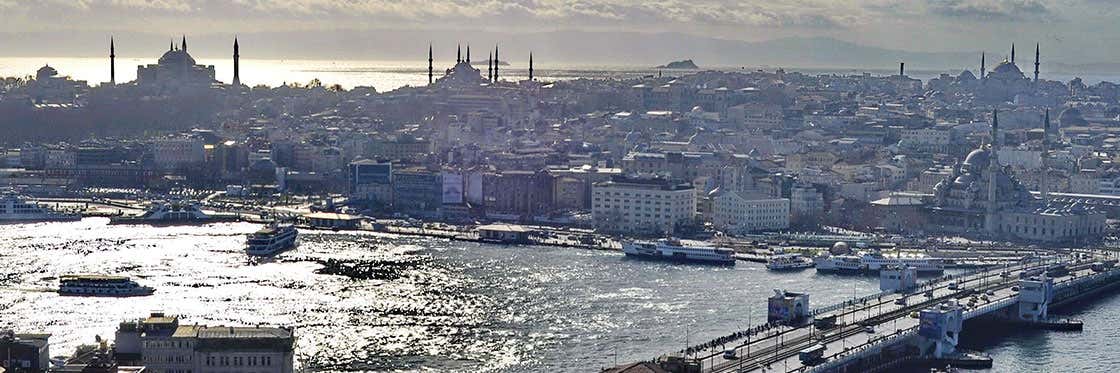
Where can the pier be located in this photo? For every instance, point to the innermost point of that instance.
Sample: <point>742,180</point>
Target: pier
<point>921,323</point>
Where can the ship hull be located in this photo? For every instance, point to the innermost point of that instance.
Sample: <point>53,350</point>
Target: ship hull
<point>680,259</point>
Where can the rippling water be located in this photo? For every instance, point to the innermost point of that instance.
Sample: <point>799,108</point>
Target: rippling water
<point>430,304</point>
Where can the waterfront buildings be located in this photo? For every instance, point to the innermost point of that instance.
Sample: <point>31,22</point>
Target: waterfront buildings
<point>163,345</point>
<point>732,213</point>
<point>642,206</point>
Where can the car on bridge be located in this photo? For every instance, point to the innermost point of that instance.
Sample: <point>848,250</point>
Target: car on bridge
<point>730,354</point>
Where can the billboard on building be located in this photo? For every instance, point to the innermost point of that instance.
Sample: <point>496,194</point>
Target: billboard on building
<point>930,325</point>
<point>780,309</point>
<point>452,188</point>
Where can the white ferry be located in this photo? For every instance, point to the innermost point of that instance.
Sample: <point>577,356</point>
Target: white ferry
<point>788,262</point>
<point>101,285</point>
<point>875,261</point>
<point>175,211</point>
<point>271,240</point>
<point>17,208</point>
<point>674,250</point>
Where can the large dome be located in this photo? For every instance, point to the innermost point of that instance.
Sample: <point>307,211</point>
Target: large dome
<point>977,158</point>
<point>45,72</point>
<point>1007,68</point>
<point>176,57</point>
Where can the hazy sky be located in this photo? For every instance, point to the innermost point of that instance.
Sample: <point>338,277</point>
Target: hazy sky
<point>918,25</point>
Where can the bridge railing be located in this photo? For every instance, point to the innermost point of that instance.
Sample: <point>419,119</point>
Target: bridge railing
<point>924,285</point>
<point>843,357</point>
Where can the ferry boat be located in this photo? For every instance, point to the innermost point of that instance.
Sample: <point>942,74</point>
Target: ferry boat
<point>788,262</point>
<point>271,240</point>
<point>18,208</point>
<point>674,250</point>
<point>874,261</point>
<point>101,285</point>
<point>175,211</point>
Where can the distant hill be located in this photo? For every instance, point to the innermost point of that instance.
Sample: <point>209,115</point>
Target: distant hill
<point>683,64</point>
<point>576,48</point>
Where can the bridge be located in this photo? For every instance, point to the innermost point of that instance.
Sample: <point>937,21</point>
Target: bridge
<point>919,322</point>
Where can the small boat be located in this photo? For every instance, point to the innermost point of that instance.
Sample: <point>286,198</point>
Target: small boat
<point>675,251</point>
<point>788,262</point>
<point>101,286</point>
<point>271,240</point>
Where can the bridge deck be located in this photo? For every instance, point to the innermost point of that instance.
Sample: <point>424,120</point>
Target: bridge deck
<point>777,349</point>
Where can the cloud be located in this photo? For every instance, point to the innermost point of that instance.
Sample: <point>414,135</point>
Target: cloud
<point>986,10</point>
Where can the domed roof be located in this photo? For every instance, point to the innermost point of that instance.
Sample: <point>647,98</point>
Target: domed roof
<point>977,158</point>
<point>1007,68</point>
<point>45,72</point>
<point>966,75</point>
<point>176,57</point>
<point>1071,117</point>
<point>840,248</point>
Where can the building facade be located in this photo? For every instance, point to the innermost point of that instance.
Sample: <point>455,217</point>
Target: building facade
<point>643,206</point>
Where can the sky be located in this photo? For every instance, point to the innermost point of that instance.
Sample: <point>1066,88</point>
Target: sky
<point>1073,31</point>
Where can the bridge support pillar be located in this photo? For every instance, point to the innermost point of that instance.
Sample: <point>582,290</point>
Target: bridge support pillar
<point>939,330</point>
<point>1035,295</point>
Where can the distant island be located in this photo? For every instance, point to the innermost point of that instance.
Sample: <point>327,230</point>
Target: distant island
<point>685,64</point>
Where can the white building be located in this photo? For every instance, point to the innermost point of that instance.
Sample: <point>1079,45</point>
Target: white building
<point>650,206</point>
<point>734,214</point>
<point>172,153</point>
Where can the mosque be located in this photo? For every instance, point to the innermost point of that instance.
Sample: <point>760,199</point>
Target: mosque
<point>981,196</point>
<point>464,74</point>
<point>176,68</point>
<point>1004,83</point>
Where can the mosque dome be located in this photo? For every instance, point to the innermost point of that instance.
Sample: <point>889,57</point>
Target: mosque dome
<point>1007,67</point>
<point>977,159</point>
<point>1071,117</point>
<point>45,72</point>
<point>176,57</point>
<point>966,75</point>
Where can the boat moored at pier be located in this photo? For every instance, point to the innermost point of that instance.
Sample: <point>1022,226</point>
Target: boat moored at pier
<point>172,212</point>
<point>873,262</point>
<point>788,262</point>
<point>676,251</point>
<point>17,208</point>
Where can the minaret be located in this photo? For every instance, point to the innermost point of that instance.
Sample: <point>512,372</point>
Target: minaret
<point>236,63</point>
<point>901,69</point>
<point>458,54</point>
<point>530,66</point>
<point>993,169</point>
<point>982,65</point>
<point>490,68</point>
<point>430,69</point>
<point>496,59</point>
<point>1036,62</point>
<point>1043,187</point>
<point>184,45</point>
<point>468,54</point>
<point>1012,53</point>
<point>112,62</point>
